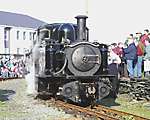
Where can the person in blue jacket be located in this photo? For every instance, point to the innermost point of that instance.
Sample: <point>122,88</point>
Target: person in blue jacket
<point>130,56</point>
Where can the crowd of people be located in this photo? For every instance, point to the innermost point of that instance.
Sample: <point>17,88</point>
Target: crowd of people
<point>11,67</point>
<point>131,58</point>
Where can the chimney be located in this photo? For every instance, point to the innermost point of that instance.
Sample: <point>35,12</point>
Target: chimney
<point>81,27</point>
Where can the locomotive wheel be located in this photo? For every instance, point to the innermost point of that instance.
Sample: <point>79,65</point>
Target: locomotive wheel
<point>41,85</point>
<point>42,89</point>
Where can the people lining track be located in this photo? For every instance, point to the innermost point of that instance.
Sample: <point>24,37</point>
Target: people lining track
<point>134,54</point>
<point>11,67</point>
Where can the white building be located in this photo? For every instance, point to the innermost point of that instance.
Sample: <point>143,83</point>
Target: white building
<point>17,32</point>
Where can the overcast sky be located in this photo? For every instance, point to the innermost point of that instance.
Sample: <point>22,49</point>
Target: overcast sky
<point>109,20</point>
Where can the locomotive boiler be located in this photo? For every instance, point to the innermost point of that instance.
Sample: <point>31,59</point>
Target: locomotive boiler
<point>70,67</point>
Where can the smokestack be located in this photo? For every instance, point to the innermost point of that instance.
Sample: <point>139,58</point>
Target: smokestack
<point>81,27</point>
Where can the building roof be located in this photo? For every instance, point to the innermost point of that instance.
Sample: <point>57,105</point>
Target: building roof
<point>19,20</point>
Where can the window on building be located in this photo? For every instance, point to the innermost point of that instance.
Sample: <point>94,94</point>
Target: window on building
<point>6,39</point>
<point>18,35</point>
<point>31,34</point>
<point>34,35</point>
<point>5,34</point>
<point>18,50</point>
<point>24,50</point>
<point>24,35</point>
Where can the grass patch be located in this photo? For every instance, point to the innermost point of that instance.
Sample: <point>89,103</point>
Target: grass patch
<point>2,104</point>
<point>5,112</point>
<point>9,114</point>
<point>133,107</point>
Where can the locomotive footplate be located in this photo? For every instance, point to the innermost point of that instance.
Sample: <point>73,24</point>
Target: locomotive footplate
<point>50,76</point>
<point>94,77</point>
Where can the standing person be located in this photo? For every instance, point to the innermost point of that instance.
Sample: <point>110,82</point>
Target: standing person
<point>126,41</point>
<point>113,62</point>
<point>145,36</point>
<point>130,56</point>
<point>119,50</point>
<point>137,38</point>
<point>140,54</point>
<point>114,47</point>
<point>147,57</point>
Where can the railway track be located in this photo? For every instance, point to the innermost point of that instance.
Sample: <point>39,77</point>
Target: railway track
<point>99,112</point>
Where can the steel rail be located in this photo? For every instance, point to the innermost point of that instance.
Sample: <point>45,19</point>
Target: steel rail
<point>86,111</point>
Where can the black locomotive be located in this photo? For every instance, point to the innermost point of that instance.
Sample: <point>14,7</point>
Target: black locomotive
<point>68,66</point>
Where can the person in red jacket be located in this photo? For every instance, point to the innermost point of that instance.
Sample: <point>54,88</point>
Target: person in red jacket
<point>145,36</point>
<point>140,54</point>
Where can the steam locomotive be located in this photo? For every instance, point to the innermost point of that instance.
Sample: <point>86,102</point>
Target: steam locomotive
<point>70,67</point>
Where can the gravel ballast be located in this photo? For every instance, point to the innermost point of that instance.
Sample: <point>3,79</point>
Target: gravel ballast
<point>16,104</point>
